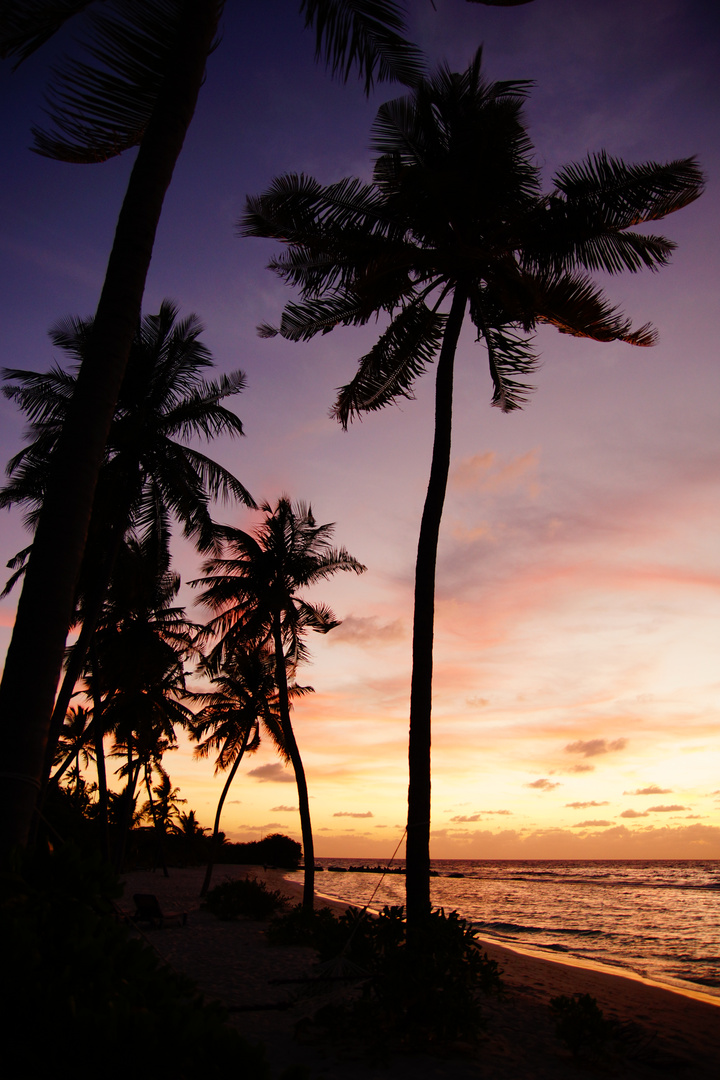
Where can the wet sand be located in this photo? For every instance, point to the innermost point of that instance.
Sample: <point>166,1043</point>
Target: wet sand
<point>664,1033</point>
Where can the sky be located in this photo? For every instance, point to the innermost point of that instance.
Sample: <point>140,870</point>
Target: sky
<point>577,689</point>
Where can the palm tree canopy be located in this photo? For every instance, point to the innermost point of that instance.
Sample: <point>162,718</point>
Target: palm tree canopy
<point>245,698</point>
<point>456,201</point>
<point>150,471</point>
<point>101,100</point>
<point>258,578</point>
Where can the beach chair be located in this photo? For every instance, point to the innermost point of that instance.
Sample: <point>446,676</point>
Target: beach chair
<point>147,909</point>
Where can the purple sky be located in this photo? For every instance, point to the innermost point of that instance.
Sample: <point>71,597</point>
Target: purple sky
<point>579,573</point>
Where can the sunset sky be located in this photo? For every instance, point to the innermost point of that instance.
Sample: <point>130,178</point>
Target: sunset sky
<point>577,685</point>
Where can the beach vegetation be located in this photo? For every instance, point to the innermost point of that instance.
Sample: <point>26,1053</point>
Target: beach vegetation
<point>253,589</point>
<point>244,896</point>
<point>580,1023</point>
<point>96,988</point>
<point>132,81</point>
<point>429,995</point>
<point>455,223</point>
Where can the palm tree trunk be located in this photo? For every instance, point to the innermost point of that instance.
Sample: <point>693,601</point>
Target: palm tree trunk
<point>417,883</point>
<point>157,832</point>
<point>35,655</point>
<point>216,829</point>
<point>292,749</point>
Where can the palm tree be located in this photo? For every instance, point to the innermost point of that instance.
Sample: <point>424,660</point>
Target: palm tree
<point>139,650</point>
<point>245,699</point>
<point>254,590</point>
<point>455,220</point>
<point>136,86</point>
<point>150,473</point>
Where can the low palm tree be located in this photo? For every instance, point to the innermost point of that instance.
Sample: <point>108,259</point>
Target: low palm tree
<point>455,222</point>
<point>253,589</point>
<point>244,701</point>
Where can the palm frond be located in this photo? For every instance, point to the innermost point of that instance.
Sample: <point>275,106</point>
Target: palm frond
<point>26,27</point>
<point>631,194</point>
<point>389,370</point>
<point>576,306</point>
<point>365,34</point>
<point>100,107</point>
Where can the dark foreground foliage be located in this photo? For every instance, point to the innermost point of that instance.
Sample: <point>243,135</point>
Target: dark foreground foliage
<point>79,981</point>
<point>425,993</point>
<point>246,896</point>
<point>580,1023</point>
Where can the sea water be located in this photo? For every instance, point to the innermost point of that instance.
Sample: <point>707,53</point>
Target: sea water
<point>660,919</point>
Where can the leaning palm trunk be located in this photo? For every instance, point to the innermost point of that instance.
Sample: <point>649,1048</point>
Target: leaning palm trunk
<point>35,655</point>
<point>418,827</point>
<point>216,830</point>
<point>292,748</point>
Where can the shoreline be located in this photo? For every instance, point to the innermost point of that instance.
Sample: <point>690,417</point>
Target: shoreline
<point>676,986</point>
<point>663,1027</point>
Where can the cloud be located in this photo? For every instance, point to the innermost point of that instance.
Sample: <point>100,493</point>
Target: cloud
<point>486,472</point>
<point>588,824</point>
<point>278,809</point>
<point>364,630</point>
<point>651,789</point>
<point>584,805</point>
<point>581,768</point>
<point>496,812</point>
<point>634,813</point>
<point>543,785</point>
<point>349,813</point>
<point>466,817</point>
<point>275,772</point>
<point>593,747</point>
<point>665,809</point>
<point>478,702</point>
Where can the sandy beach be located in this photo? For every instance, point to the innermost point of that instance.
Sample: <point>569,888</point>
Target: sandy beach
<point>664,1032</point>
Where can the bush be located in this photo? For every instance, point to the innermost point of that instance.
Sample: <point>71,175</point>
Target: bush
<point>81,985</point>
<point>423,994</point>
<point>580,1023</point>
<point>246,896</point>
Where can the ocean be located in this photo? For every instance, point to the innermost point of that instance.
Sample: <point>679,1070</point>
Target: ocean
<point>660,919</point>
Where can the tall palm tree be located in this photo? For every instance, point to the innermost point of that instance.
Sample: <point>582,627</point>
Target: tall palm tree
<point>253,589</point>
<point>150,474</point>
<point>456,222</point>
<point>136,85</point>
<point>245,699</point>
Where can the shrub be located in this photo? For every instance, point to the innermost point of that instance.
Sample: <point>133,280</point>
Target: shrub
<point>246,896</point>
<point>580,1023</point>
<point>423,994</point>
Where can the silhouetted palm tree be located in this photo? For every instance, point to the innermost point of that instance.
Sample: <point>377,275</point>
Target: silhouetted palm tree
<point>150,474</point>
<point>136,85</point>
<point>244,701</point>
<point>455,220</point>
<point>254,590</point>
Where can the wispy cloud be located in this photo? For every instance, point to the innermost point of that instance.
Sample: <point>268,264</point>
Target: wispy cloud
<point>651,789</point>
<point>365,630</point>
<point>634,813</point>
<point>278,809</point>
<point>489,472</point>
<point>349,813</point>
<point>543,784</point>
<point>666,809</point>
<point>584,805</point>
<point>276,773</point>
<point>594,824</point>
<point>593,747</point>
